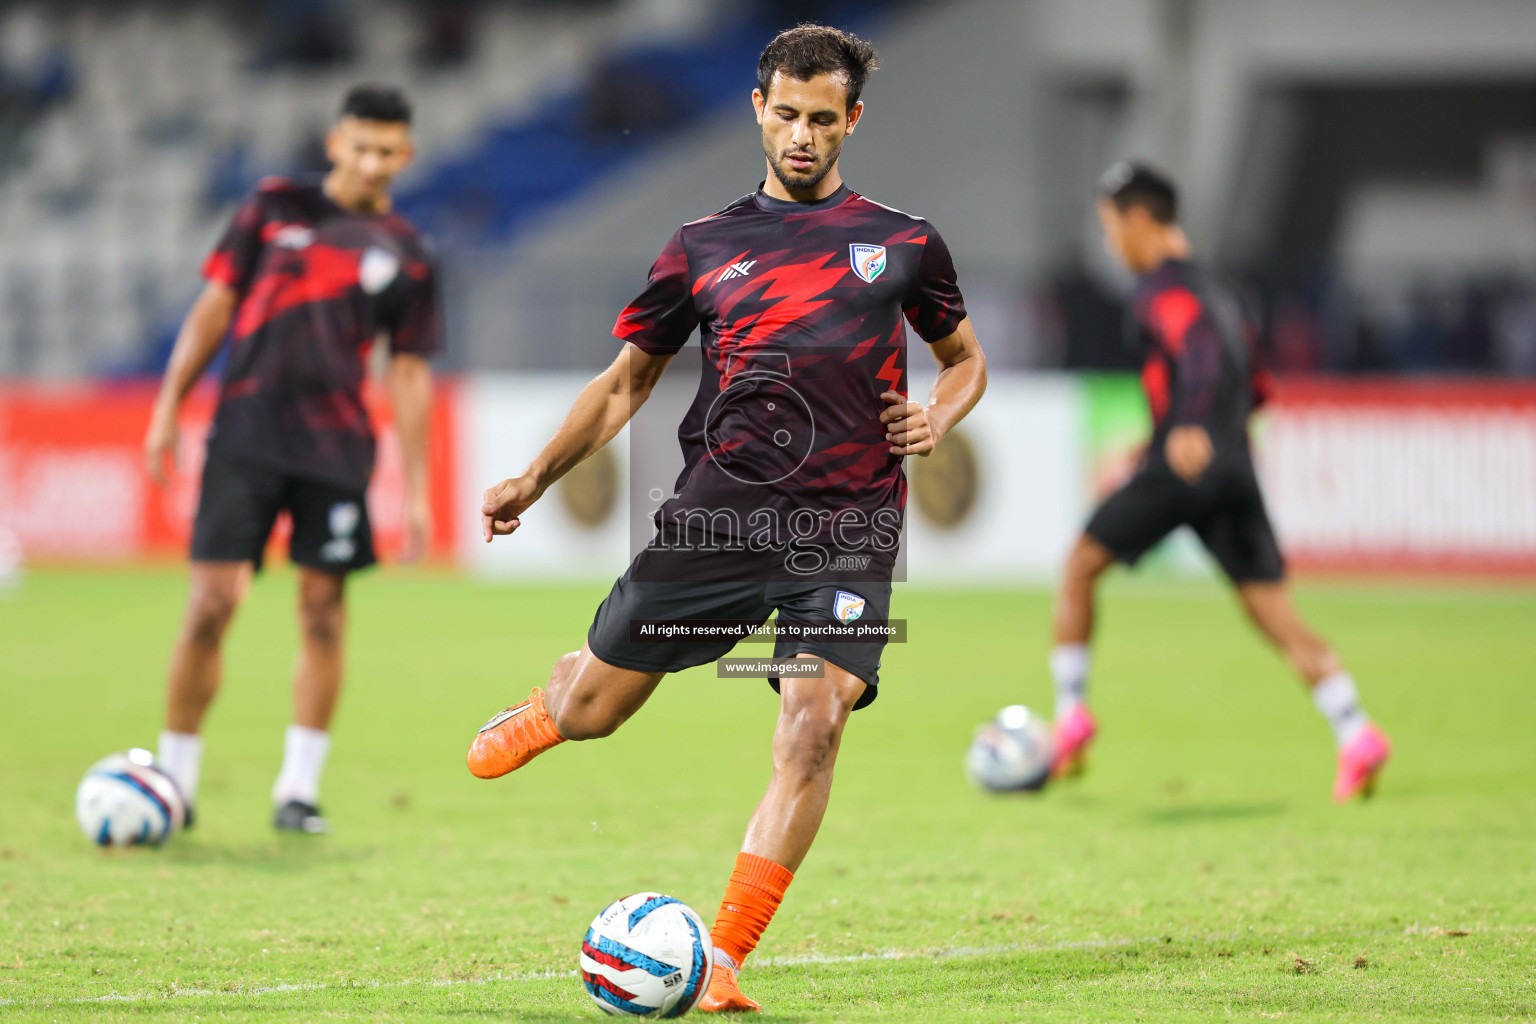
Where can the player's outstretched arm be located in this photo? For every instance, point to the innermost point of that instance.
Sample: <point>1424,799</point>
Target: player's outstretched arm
<point>914,429</point>
<point>201,334</point>
<point>599,413</point>
<point>410,393</point>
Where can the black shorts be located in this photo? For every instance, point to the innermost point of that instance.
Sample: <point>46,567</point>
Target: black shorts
<point>1225,508</point>
<point>812,601</point>
<point>240,501</point>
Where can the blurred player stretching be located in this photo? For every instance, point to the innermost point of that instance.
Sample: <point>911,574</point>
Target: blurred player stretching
<point>304,280</point>
<point>799,292</point>
<point>1201,382</point>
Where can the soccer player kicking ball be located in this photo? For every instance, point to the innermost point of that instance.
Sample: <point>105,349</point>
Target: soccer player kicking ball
<point>307,275</point>
<point>1201,381</point>
<point>793,459</point>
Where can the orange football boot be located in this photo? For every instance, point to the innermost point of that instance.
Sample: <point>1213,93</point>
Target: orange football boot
<point>513,738</point>
<point>724,995</point>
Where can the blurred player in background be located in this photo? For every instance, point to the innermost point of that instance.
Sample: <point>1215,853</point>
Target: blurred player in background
<point>813,274</point>
<point>1202,382</point>
<point>306,277</point>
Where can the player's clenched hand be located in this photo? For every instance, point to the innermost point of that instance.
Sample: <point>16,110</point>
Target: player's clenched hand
<point>160,446</point>
<point>906,426</point>
<point>1189,451</point>
<point>503,504</point>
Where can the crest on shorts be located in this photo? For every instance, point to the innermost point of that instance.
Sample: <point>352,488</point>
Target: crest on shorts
<point>345,515</point>
<point>868,260</point>
<point>344,519</point>
<point>377,269</point>
<point>847,607</point>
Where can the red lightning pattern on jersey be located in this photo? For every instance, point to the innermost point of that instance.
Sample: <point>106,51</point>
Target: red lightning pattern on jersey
<point>794,289</point>
<point>798,321</point>
<point>891,373</point>
<point>306,316</point>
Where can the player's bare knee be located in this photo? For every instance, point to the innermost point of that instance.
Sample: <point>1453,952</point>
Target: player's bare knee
<point>1087,561</point>
<point>1080,575</point>
<point>322,616</point>
<point>322,626</point>
<point>209,612</point>
<point>806,741</point>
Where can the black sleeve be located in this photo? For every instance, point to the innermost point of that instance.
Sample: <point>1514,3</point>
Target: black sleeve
<point>417,324</point>
<point>1181,327</point>
<point>662,317</point>
<point>933,305</point>
<point>233,260</point>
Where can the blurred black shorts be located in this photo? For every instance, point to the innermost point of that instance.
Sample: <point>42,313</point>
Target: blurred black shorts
<point>640,596</point>
<point>1225,508</point>
<point>240,501</point>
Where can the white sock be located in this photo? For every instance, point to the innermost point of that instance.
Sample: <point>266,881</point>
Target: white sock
<point>304,751</point>
<point>1069,668</point>
<point>1339,701</point>
<point>181,755</point>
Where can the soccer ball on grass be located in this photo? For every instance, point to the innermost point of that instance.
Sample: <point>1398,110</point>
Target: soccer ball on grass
<point>1012,752</point>
<point>128,800</point>
<point>647,955</point>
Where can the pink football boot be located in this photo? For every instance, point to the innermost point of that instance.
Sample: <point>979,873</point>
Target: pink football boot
<point>1359,761</point>
<point>1073,732</point>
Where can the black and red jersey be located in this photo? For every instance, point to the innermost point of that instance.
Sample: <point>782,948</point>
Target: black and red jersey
<point>317,284</point>
<point>800,310</point>
<point>1202,364</point>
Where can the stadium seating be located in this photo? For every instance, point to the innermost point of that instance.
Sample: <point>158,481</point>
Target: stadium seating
<point>107,208</point>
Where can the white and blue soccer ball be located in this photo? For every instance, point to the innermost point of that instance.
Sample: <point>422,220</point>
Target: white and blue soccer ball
<point>1012,752</point>
<point>647,955</point>
<point>128,800</point>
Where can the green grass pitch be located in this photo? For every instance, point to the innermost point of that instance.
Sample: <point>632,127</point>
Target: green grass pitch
<point>1199,871</point>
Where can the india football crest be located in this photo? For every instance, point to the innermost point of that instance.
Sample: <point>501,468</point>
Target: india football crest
<point>345,517</point>
<point>377,269</point>
<point>847,607</point>
<point>868,260</point>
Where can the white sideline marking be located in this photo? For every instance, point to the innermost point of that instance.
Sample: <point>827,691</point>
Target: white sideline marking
<point>802,960</point>
<point>945,953</point>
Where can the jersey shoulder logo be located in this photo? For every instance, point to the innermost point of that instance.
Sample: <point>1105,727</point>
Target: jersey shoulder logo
<point>847,607</point>
<point>868,260</point>
<point>293,236</point>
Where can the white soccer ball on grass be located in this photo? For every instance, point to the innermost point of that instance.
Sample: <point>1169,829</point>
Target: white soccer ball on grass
<point>128,800</point>
<point>1012,752</point>
<point>647,955</point>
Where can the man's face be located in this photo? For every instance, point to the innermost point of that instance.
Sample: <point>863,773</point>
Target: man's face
<point>1127,234</point>
<point>367,155</point>
<point>804,124</point>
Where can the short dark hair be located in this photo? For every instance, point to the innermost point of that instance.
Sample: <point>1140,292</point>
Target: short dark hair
<point>1129,184</point>
<point>808,50</point>
<point>370,102</point>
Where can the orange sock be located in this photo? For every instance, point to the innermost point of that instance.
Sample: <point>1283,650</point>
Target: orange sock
<point>751,896</point>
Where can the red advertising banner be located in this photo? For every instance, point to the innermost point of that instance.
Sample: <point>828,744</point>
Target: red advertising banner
<point>73,486</point>
<point>1429,476</point>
